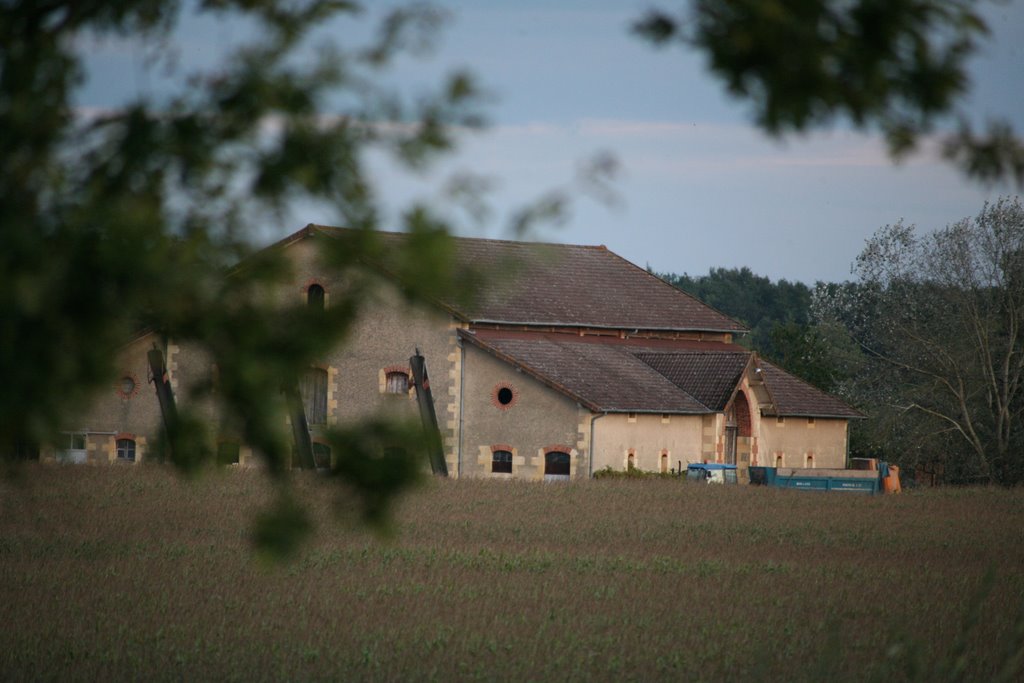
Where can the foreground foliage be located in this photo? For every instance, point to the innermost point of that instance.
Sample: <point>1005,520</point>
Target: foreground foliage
<point>895,66</point>
<point>126,220</point>
<point>128,573</point>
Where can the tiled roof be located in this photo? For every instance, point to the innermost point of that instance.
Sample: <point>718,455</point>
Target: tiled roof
<point>570,285</point>
<point>795,397</point>
<point>708,376</point>
<point>616,375</point>
<point>603,377</point>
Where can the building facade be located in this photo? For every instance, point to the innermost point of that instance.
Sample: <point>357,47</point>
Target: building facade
<point>573,361</point>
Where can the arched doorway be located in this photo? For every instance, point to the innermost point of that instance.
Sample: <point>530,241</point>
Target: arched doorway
<point>737,430</point>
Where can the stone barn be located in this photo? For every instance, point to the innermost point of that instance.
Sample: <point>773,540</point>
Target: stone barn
<point>570,360</point>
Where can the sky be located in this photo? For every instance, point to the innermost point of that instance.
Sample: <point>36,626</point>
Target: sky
<point>697,185</point>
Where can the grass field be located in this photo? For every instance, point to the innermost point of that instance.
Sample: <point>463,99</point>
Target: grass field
<point>128,573</point>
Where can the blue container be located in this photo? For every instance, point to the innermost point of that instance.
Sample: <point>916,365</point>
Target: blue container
<point>849,481</point>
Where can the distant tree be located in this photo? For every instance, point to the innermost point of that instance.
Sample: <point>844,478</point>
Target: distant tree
<point>940,320</point>
<point>809,352</point>
<point>777,314</point>
<point>898,66</point>
<point>129,218</point>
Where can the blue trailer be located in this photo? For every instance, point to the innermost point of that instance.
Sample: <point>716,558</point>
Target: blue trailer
<point>867,481</point>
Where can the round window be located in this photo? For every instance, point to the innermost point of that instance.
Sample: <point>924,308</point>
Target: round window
<point>504,396</point>
<point>128,386</point>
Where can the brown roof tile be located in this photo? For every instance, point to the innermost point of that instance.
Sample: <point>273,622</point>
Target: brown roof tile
<point>795,397</point>
<point>603,377</point>
<point>571,285</point>
<point>708,376</point>
<point>616,375</point>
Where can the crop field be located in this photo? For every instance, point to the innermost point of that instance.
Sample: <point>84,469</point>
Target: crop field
<point>129,573</point>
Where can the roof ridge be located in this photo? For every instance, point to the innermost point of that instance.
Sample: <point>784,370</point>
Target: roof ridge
<point>595,247</point>
<point>596,287</point>
<point>743,327</point>
<point>691,352</point>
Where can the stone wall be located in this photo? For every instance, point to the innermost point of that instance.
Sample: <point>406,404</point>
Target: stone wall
<point>647,438</point>
<point>535,420</point>
<point>803,442</point>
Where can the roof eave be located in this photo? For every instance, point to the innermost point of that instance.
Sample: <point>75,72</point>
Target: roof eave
<point>642,411</point>
<point>488,321</point>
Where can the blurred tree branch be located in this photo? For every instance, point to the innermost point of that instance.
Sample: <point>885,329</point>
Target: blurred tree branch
<point>897,66</point>
<point>129,220</point>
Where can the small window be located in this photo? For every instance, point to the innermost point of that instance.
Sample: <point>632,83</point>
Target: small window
<point>321,456</point>
<point>228,452</point>
<point>666,418</point>
<point>664,462</point>
<point>810,422</point>
<point>315,297</point>
<point>810,460</point>
<point>74,451</point>
<point>780,420</point>
<point>397,383</point>
<point>631,461</point>
<point>556,463</point>
<point>779,460</point>
<point>501,461</point>
<point>126,449</point>
<point>630,417</point>
<point>504,396</point>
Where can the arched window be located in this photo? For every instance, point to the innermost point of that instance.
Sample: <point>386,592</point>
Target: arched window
<point>556,463</point>
<point>631,460</point>
<point>397,382</point>
<point>664,462</point>
<point>501,462</point>
<point>810,460</point>
<point>314,395</point>
<point>126,450</point>
<point>315,297</point>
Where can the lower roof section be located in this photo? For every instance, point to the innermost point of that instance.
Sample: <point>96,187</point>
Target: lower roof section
<point>608,374</point>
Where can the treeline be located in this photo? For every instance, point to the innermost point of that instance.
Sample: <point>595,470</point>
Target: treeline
<point>778,315</point>
<point>927,341</point>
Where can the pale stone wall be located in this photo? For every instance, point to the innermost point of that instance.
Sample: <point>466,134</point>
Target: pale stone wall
<point>540,419</point>
<point>537,419</point>
<point>647,437</point>
<point>797,437</point>
<point>114,413</point>
<point>384,336</point>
